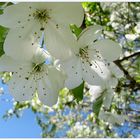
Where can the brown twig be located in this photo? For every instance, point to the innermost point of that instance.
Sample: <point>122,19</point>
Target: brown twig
<point>128,76</point>
<point>130,56</point>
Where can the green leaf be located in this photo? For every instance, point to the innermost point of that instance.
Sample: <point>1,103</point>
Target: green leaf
<point>1,49</point>
<point>2,3</point>
<point>3,33</point>
<point>22,105</point>
<point>75,29</point>
<point>97,105</point>
<point>1,11</point>
<point>78,92</point>
<point>10,3</point>
<point>1,7</point>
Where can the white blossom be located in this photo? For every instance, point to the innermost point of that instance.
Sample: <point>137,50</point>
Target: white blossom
<point>106,92</point>
<point>107,89</point>
<point>89,57</point>
<point>33,76</point>
<point>111,117</point>
<point>131,37</point>
<point>137,28</point>
<point>39,19</point>
<point>95,92</point>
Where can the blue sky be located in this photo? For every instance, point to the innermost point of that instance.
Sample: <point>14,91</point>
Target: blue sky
<point>27,127</point>
<point>24,127</point>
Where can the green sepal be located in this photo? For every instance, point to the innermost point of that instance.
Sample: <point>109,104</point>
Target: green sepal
<point>78,92</point>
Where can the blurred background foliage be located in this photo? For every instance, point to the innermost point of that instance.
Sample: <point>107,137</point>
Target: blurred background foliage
<point>76,114</point>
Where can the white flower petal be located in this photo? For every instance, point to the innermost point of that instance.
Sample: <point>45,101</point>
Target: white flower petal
<point>22,88</point>
<point>112,82</point>
<point>73,71</point>
<point>111,118</point>
<point>115,74</point>
<point>95,89</point>
<point>103,115</point>
<point>95,70</point>
<point>46,94</point>
<point>67,13</point>
<point>57,77</point>
<point>108,98</point>
<point>49,86</point>
<point>95,92</point>
<point>20,45</point>
<point>110,50</point>
<point>40,56</point>
<point>90,76</point>
<point>15,15</point>
<point>57,11</point>
<point>39,5</point>
<point>98,64</point>
<point>119,118</point>
<point>8,64</point>
<point>137,28</point>
<point>59,41</point>
<point>131,37</point>
<point>115,70</point>
<point>89,35</point>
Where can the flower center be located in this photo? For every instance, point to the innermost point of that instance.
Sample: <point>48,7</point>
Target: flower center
<point>85,58</point>
<point>83,52</point>
<point>37,67</point>
<point>37,72</point>
<point>42,16</point>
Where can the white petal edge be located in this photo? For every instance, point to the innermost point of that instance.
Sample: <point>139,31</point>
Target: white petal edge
<point>15,15</point>
<point>21,49</point>
<point>63,40</point>
<point>50,85</point>
<point>108,98</point>
<point>111,118</point>
<point>109,49</point>
<point>46,94</point>
<point>89,35</point>
<point>67,13</point>
<point>90,76</point>
<point>95,92</point>
<point>8,64</point>
<point>21,88</point>
<point>116,70</point>
<point>73,69</point>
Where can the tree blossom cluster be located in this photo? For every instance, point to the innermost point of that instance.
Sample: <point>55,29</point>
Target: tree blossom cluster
<point>45,56</point>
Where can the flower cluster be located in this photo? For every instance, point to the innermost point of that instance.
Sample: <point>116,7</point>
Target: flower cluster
<point>44,55</point>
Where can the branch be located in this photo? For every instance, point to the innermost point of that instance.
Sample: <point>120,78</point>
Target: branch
<point>127,57</point>
<point>101,10</point>
<point>128,76</point>
<point>83,26</point>
<point>118,63</point>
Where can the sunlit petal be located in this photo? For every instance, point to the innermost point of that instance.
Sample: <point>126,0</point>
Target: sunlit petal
<point>110,50</point>
<point>73,71</point>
